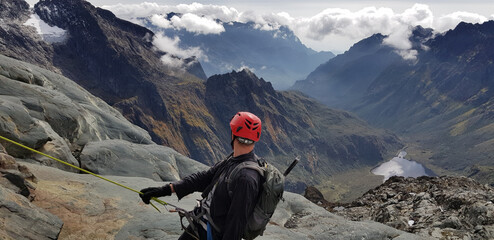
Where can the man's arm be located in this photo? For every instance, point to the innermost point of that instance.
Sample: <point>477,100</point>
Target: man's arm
<point>245,194</point>
<point>196,182</point>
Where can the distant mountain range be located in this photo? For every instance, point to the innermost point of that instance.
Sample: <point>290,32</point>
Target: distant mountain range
<point>116,61</point>
<point>443,101</point>
<point>275,55</point>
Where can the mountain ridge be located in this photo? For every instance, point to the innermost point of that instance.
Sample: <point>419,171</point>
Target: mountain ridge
<point>281,57</point>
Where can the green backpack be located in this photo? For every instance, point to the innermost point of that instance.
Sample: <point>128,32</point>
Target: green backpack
<point>271,194</point>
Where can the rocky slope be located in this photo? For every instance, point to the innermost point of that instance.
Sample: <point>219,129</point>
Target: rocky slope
<point>443,100</point>
<point>19,218</point>
<point>79,206</point>
<point>52,114</point>
<point>438,207</point>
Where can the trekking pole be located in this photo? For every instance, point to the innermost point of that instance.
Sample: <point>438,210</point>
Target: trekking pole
<point>289,169</point>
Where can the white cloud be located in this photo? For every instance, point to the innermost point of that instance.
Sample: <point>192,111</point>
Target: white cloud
<point>363,23</point>
<point>336,27</point>
<point>160,21</point>
<point>196,24</point>
<point>224,13</point>
<point>450,21</point>
<point>172,61</point>
<point>132,11</point>
<point>173,50</point>
<point>241,68</point>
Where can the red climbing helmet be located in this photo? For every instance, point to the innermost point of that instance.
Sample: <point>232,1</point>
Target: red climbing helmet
<point>246,125</point>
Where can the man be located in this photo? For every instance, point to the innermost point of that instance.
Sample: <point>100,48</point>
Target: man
<point>230,201</point>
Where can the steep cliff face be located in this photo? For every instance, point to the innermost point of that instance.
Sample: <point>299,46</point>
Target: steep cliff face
<point>328,140</point>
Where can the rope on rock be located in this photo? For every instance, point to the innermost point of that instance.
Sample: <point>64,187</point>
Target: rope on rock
<point>88,172</point>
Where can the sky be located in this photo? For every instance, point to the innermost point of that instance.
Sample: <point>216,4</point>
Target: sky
<point>320,24</point>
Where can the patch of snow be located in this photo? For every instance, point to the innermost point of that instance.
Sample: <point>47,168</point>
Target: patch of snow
<point>402,154</point>
<point>51,34</point>
<point>339,208</point>
<point>398,166</point>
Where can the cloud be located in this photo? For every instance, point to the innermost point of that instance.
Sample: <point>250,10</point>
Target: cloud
<point>223,13</point>
<point>133,11</point>
<point>175,54</point>
<point>364,23</point>
<point>196,24</point>
<point>196,17</point>
<point>450,21</point>
<point>160,21</point>
<point>243,66</point>
<point>331,27</point>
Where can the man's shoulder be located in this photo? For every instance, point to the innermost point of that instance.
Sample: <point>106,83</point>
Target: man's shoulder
<point>248,170</point>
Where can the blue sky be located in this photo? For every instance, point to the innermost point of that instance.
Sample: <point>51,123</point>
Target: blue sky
<point>321,25</point>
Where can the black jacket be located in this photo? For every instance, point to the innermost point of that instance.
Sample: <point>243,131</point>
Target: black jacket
<point>228,213</point>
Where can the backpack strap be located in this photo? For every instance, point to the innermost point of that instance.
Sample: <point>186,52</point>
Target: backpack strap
<point>247,164</point>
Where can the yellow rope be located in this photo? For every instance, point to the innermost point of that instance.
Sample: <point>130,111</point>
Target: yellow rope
<point>86,171</point>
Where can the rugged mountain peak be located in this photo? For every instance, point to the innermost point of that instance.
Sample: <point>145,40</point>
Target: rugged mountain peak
<point>81,17</point>
<point>419,36</point>
<point>368,44</point>
<point>240,83</point>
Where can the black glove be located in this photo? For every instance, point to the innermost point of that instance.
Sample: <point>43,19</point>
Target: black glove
<point>148,193</point>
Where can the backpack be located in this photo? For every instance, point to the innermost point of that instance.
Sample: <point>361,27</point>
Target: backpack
<point>271,194</point>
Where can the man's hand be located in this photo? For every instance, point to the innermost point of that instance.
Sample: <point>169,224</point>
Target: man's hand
<point>148,193</point>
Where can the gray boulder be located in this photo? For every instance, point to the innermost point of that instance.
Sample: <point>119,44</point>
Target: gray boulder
<point>51,113</point>
<point>20,219</point>
<point>122,158</point>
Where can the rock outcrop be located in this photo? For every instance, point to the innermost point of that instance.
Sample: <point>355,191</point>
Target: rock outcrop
<point>20,219</point>
<point>15,177</point>
<point>122,158</point>
<point>438,207</point>
<point>49,112</point>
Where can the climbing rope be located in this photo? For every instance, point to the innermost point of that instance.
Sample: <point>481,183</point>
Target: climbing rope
<point>88,172</point>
